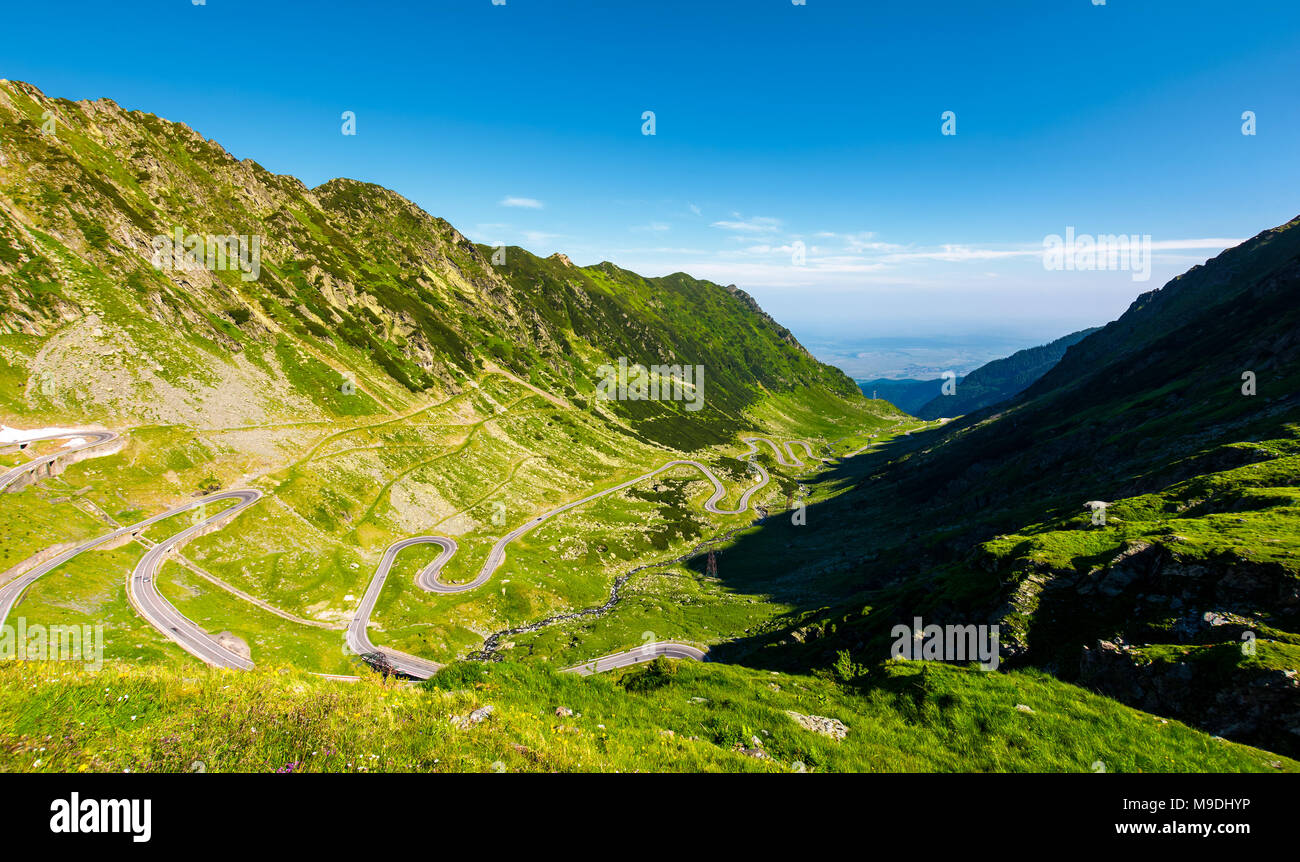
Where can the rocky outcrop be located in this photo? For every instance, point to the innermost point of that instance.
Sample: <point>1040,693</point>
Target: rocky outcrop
<point>1199,599</point>
<point>234,643</point>
<point>1258,706</point>
<point>832,727</point>
<point>478,716</point>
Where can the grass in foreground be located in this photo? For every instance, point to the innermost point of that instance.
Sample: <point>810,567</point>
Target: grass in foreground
<point>661,717</point>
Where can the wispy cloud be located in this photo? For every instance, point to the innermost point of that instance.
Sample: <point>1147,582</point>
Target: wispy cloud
<point>961,253</point>
<point>537,237</point>
<point>1177,244</point>
<point>862,241</point>
<point>957,253</point>
<point>764,256</point>
<point>526,203</point>
<point>756,224</point>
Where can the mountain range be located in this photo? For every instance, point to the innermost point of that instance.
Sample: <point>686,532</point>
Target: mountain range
<point>1120,503</point>
<point>999,380</point>
<point>354,283</point>
<point>991,383</point>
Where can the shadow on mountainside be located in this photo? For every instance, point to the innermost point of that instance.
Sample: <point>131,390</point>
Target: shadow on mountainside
<point>842,552</point>
<point>968,526</point>
<point>905,537</point>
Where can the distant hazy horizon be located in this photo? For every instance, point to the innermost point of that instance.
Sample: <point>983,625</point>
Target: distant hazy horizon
<point>918,357</point>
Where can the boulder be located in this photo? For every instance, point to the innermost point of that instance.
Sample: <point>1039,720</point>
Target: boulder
<point>832,727</point>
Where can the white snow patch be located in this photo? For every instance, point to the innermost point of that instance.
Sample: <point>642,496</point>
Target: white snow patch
<point>18,435</point>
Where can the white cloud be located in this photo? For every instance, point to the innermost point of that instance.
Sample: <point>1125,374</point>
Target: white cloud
<point>750,225</point>
<point>1174,244</point>
<point>864,242</point>
<point>954,253</point>
<point>537,237</point>
<point>526,203</point>
<point>871,282</point>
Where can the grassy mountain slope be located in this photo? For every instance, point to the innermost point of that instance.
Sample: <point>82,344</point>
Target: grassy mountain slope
<point>999,380</point>
<point>665,717</point>
<point>355,282</point>
<point>675,319</point>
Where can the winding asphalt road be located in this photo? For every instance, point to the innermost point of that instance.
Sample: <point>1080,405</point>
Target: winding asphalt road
<point>141,588</point>
<point>427,578</point>
<point>647,652</point>
<point>358,639</point>
<point>162,614</point>
<point>794,460</point>
<point>143,593</point>
<point>776,450</point>
<point>93,439</point>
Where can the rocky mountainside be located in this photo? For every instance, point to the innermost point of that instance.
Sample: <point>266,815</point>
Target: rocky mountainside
<point>347,299</point>
<point>1001,379</point>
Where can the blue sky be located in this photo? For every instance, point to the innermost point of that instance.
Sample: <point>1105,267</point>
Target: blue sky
<point>775,124</point>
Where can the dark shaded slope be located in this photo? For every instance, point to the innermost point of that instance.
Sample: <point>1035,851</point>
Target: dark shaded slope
<point>983,522</point>
<point>1001,379</point>
<point>908,395</point>
<point>1128,406</point>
